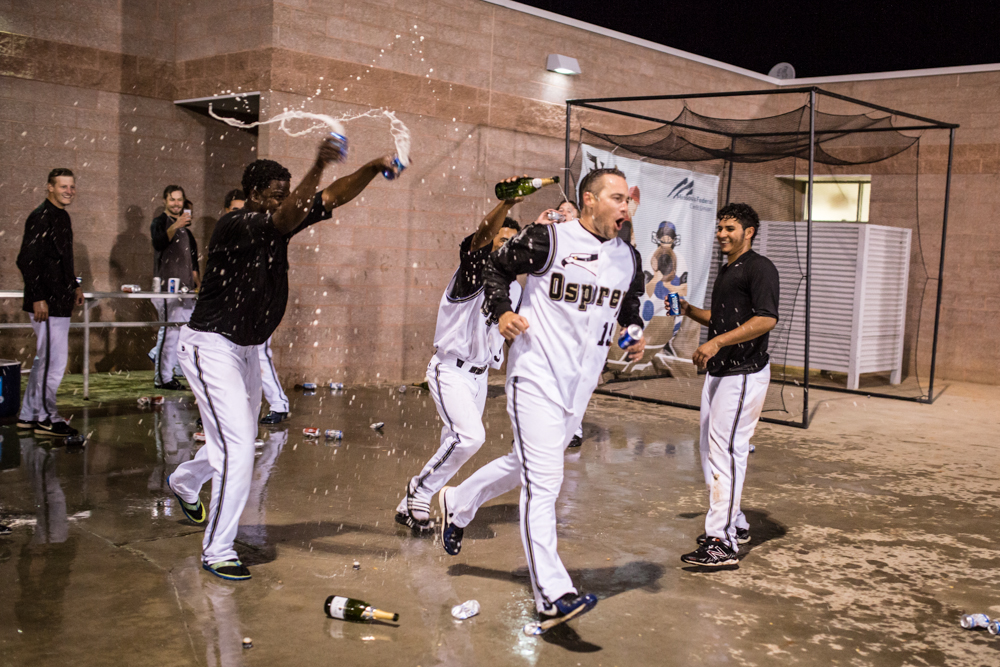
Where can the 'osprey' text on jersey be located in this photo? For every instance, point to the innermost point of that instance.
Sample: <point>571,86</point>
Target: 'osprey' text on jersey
<point>578,286</point>
<point>462,329</point>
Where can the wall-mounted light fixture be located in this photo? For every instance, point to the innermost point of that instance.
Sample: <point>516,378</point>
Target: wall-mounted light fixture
<point>562,64</point>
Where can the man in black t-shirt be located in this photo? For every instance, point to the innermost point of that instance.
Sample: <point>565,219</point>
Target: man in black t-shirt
<point>242,300</point>
<point>744,310</point>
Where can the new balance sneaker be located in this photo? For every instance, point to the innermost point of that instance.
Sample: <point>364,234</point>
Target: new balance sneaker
<point>570,605</point>
<point>451,535</point>
<point>194,512</point>
<point>274,417</point>
<point>742,536</point>
<point>233,570</point>
<point>25,424</point>
<point>57,429</point>
<point>173,385</point>
<point>405,517</point>
<point>713,553</point>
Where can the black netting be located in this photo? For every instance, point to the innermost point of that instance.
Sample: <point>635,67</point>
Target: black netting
<point>764,162</point>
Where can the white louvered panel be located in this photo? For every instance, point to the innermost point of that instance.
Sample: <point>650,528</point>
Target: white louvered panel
<point>884,298</point>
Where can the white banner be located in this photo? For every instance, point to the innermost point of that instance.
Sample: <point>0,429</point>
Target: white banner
<point>673,226</point>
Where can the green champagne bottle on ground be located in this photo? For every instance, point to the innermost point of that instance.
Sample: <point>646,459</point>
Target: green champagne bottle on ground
<point>349,609</point>
<point>522,187</point>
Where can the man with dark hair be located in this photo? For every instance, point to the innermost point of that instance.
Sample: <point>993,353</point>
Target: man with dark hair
<point>234,199</point>
<point>744,310</point>
<point>175,255</point>
<point>243,300</point>
<point>467,343</point>
<point>582,279</point>
<point>50,293</point>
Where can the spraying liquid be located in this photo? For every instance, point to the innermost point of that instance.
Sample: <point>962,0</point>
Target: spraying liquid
<point>400,133</point>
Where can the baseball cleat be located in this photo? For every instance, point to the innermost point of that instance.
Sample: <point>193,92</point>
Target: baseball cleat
<point>742,536</point>
<point>274,417</point>
<point>232,570</point>
<point>173,385</point>
<point>565,608</point>
<point>713,553</point>
<point>576,441</point>
<point>418,527</point>
<point>194,512</point>
<point>451,535</point>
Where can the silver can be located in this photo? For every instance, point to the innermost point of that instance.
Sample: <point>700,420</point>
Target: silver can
<point>333,434</point>
<point>973,621</point>
<point>993,628</point>
<point>336,386</point>
<point>465,610</point>
<point>555,216</point>
<point>309,385</point>
<point>157,284</point>
<point>173,285</point>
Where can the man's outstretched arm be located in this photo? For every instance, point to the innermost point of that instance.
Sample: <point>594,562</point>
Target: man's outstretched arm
<point>347,188</point>
<point>293,210</point>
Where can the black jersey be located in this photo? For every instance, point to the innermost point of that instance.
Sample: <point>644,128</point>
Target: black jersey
<point>746,288</point>
<point>245,290</point>
<point>46,260</point>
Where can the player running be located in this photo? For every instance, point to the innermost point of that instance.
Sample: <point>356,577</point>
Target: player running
<point>581,279</point>
<point>744,310</point>
<point>467,344</point>
<point>242,301</point>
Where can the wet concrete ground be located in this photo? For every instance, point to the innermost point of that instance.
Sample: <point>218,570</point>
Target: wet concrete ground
<point>872,531</point>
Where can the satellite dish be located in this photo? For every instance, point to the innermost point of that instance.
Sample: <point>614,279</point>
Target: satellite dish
<point>782,71</point>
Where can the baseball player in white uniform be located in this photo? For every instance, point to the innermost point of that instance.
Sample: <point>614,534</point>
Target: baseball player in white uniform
<point>581,279</point>
<point>242,300</point>
<point>467,344</point>
<point>744,310</point>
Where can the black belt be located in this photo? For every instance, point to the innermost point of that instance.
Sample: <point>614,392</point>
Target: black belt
<point>475,370</point>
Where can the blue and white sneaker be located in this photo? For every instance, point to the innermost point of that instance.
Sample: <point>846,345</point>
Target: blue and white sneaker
<point>570,606</point>
<point>451,535</point>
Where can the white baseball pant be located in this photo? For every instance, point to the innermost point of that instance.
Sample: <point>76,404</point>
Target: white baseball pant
<point>542,431</point>
<point>730,409</point>
<point>47,370</point>
<point>275,396</point>
<point>460,397</point>
<point>165,357</point>
<point>225,378</point>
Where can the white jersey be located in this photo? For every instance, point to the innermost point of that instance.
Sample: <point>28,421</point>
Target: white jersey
<point>572,300</point>
<point>462,329</point>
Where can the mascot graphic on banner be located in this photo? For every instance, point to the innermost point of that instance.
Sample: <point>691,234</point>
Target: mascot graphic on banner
<point>667,206</point>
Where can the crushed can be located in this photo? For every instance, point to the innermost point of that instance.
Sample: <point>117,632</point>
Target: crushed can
<point>377,426</point>
<point>144,401</point>
<point>310,432</point>
<point>973,621</point>
<point>333,434</point>
<point>673,304</point>
<point>631,335</point>
<point>199,437</point>
<point>336,386</point>
<point>402,389</point>
<point>465,610</point>
<point>157,400</point>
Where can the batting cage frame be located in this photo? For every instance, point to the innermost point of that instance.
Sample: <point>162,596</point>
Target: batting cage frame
<point>669,140</point>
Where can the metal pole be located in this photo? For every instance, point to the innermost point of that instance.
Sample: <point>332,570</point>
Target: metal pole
<point>729,179</point>
<point>86,348</point>
<point>940,285</point>
<point>809,245</point>
<point>566,174</point>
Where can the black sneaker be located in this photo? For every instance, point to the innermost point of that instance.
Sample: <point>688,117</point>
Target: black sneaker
<point>5,529</point>
<point>173,385</point>
<point>713,553</point>
<point>57,429</point>
<point>451,535</point>
<point>576,441</point>
<point>25,424</point>
<point>742,536</point>
<point>274,417</point>
<point>233,570</point>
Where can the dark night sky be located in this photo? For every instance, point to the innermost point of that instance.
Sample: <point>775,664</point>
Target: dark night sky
<point>818,37</point>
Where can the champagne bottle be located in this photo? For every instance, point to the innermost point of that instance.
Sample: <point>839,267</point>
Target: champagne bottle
<point>349,609</point>
<point>522,187</point>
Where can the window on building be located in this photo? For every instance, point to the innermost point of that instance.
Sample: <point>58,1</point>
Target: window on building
<point>835,198</point>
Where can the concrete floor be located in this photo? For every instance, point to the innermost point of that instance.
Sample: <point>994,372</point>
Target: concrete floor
<point>872,532</point>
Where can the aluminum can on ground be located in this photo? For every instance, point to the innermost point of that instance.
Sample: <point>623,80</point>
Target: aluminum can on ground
<point>308,385</point>
<point>973,621</point>
<point>310,432</point>
<point>465,610</point>
<point>333,434</point>
<point>631,335</point>
<point>377,425</point>
<point>157,400</point>
<point>199,437</point>
<point>336,385</point>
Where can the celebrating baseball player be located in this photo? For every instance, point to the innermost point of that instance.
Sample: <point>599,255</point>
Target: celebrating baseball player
<point>242,301</point>
<point>744,310</point>
<point>581,279</point>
